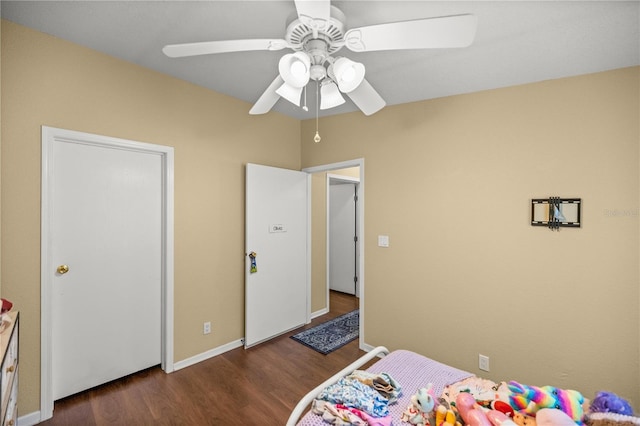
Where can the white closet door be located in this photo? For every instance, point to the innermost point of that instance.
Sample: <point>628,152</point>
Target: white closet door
<point>106,227</point>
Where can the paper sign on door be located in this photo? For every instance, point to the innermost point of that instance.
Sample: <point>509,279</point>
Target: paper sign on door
<point>277,228</point>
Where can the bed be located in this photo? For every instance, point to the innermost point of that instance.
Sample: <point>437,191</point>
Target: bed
<point>411,370</point>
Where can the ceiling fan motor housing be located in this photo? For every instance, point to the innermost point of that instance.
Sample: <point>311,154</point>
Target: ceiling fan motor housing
<point>324,39</point>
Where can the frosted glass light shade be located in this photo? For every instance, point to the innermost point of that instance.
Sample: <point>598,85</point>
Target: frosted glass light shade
<point>294,69</point>
<point>290,93</point>
<point>330,96</point>
<point>348,74</point>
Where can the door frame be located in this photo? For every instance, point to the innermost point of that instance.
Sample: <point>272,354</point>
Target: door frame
<point>343,179</point>
<point>358,162</point>
<point>49,136</point>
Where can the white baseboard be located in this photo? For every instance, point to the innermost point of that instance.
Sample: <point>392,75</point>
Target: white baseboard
<point>206,355</point>
<point>316,314</point>
<point>29,419</point>
<point>365,347</point>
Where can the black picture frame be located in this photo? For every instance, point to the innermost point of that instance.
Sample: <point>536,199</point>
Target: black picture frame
<point>556,212</point>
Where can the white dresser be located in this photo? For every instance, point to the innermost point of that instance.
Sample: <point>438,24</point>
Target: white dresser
<point>9,376</point>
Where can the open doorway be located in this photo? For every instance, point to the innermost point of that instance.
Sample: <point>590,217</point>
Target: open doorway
<point>320,273</point>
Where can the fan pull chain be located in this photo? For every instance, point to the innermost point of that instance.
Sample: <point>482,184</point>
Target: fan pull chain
<point>304,107</point>
<point>317,137</point>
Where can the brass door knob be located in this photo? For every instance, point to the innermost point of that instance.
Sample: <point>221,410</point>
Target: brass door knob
<point>62,269</point>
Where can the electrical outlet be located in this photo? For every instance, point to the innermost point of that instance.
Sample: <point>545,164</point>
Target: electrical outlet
<point>206,328</point>
<point>483,362</point>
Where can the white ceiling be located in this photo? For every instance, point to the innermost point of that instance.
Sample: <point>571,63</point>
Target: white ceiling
<point>517,42</point>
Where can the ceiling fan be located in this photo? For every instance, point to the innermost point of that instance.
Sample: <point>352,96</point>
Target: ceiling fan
<point>317,34</point>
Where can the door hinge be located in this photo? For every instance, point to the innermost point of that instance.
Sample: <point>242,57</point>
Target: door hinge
<point>355,239</point>
<point>355,279</point>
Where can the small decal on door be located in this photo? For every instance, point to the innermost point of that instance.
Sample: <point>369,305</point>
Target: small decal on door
<point>277,228</point>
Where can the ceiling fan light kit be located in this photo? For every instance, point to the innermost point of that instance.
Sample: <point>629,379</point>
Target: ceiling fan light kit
<point>290,93</point>
<point>348,74</point>
<point>330,96</point>
<point>316,34</point>
<point>294,70</point>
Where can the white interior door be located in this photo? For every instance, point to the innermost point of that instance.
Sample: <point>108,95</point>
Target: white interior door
<point>106,215</point>
<point>342,236</point>
<point>277,232</point>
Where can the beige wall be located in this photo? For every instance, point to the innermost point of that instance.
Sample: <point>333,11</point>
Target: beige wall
<point>450,181</point>
<point>47,81</point>
<point>0,153</point>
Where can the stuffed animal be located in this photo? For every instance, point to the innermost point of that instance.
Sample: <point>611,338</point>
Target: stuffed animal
<point>530,399</point>
<point>5,306</point>
<point>544,417</point>
<point>475,415</point>
<point>502,407</point>
<point>421,409</point>
<point>498,418</point>
<point>446,417</point>
<point>524,420</point>
<point>609,402</point>
<point>553,417</point>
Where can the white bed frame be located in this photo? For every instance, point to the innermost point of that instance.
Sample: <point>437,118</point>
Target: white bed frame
<point>299,409</point>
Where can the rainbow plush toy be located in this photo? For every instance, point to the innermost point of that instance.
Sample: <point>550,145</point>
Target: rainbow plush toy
<point>530,399</point>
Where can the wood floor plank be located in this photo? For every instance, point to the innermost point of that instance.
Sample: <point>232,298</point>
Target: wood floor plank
<point>259,385</point>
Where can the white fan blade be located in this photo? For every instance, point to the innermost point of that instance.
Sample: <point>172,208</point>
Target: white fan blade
<point>366,98</point>
<point>314,13</point>
<point>268,98</point>
<point>224,46</point>
<point>442,32</point>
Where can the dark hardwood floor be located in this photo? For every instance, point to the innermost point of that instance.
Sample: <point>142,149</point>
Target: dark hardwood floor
<point>256,386</point>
